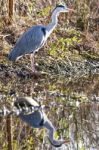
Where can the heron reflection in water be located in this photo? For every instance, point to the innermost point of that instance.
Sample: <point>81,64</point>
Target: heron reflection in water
<point>33,114</point>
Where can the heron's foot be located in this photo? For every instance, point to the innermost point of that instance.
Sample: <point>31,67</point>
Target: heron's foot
<point>33,71</point>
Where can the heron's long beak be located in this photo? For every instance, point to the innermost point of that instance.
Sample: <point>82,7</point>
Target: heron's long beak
<point>70,10</point>
<point>65,141</point>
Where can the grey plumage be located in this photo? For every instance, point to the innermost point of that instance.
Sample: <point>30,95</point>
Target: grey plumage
<point>29,111</point>
<point>33,39</point>
<point>34,118</point>
<point>30,41</point>
<point>37,119</point>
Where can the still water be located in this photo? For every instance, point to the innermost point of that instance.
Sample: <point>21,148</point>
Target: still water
<point>73,108</point>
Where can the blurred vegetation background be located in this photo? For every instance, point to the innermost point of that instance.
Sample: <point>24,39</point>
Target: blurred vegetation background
<point>70,59</point>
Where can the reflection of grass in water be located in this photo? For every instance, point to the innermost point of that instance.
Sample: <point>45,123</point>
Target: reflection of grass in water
<point>56,92</point>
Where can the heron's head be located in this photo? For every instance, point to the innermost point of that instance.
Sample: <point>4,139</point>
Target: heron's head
<point>58,143</point>
<point>61,8</point>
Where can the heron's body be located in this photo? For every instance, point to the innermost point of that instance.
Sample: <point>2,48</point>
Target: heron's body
<point>37,119</point>
<point>34,119</point>
<point>33,39</point>
<point>33,114</point>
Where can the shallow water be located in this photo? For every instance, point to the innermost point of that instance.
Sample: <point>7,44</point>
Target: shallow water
<point>73,107</point>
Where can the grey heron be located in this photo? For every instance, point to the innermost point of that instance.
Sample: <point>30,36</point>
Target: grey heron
<point>33,114</point>
<point>35,37</point>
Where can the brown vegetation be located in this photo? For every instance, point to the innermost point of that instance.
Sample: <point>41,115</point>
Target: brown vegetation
<point>70,61</point>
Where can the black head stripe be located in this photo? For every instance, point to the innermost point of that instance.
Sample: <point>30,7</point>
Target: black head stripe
<point>58,6</point>
<point>61,6</point>
<point>59,145</point>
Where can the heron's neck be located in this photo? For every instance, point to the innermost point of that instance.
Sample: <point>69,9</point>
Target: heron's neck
<point>52,140</point>
<point>51,135</point>
<point>50,128</point>
<point>54,20</point>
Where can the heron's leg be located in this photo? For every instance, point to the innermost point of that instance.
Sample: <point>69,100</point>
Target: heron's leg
<point>45,139</point>
<point>32,62</point>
